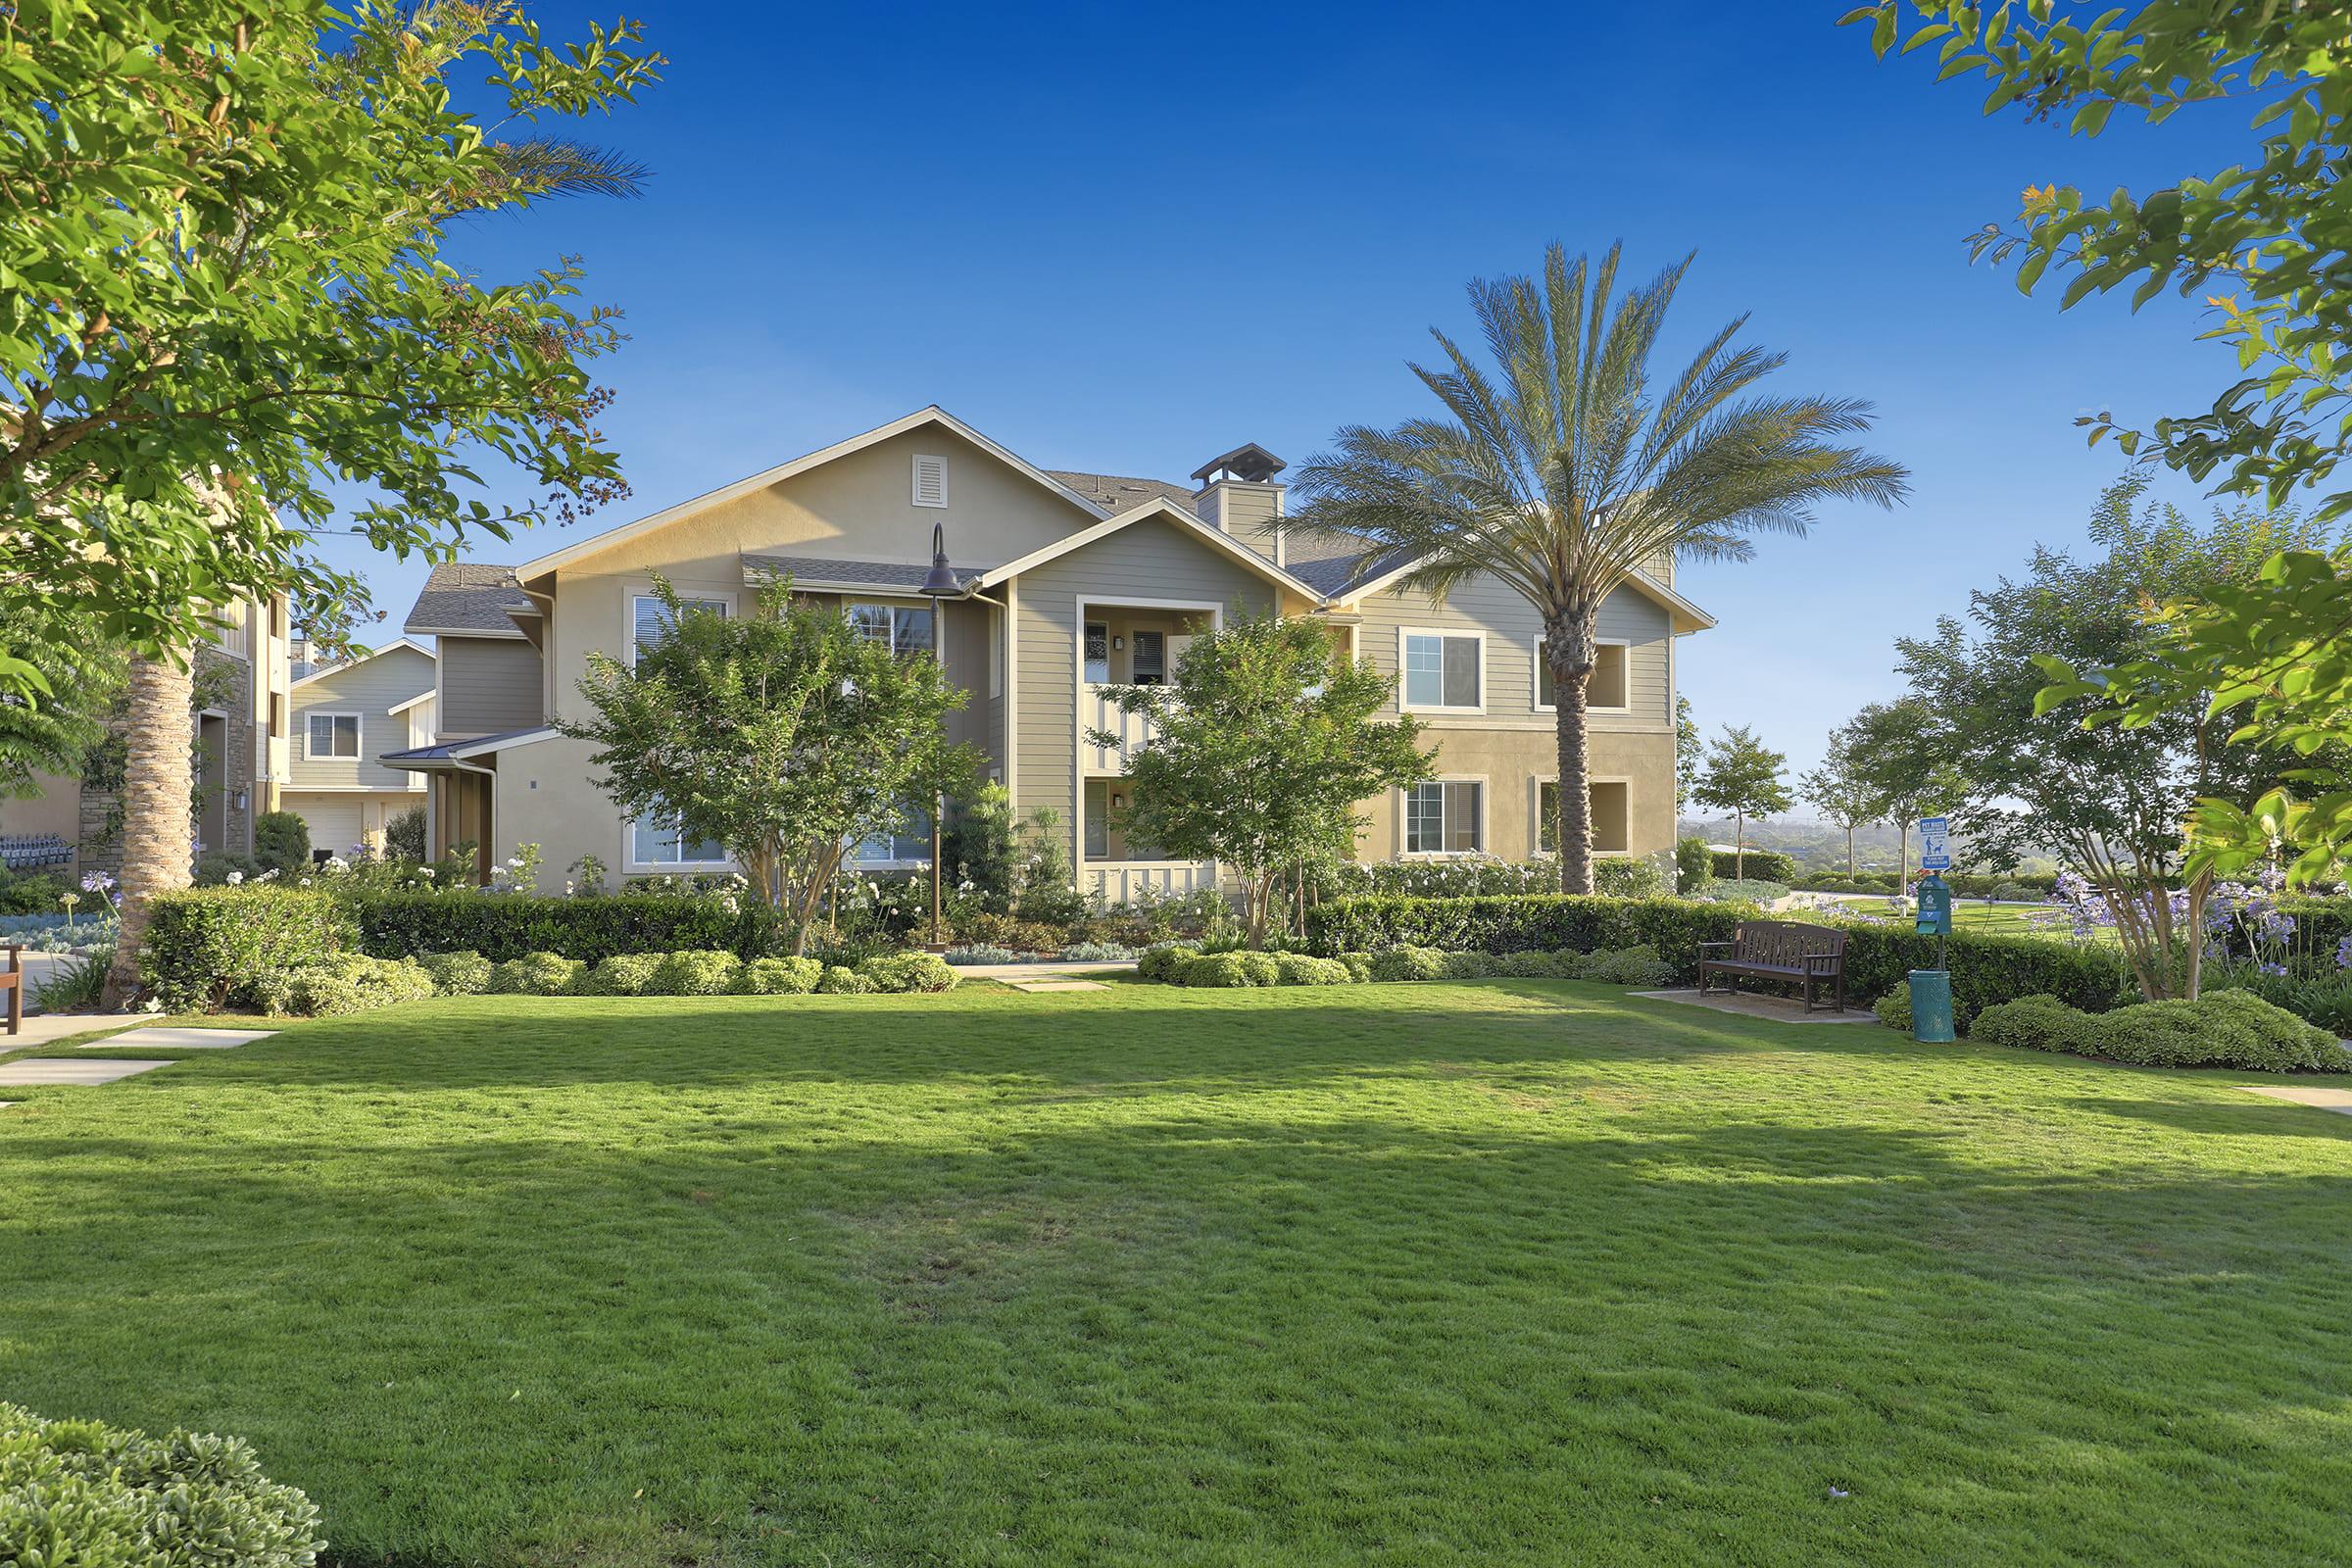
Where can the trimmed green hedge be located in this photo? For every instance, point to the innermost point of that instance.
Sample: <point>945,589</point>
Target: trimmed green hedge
<point>503,927</point>
<point>208,948</point>
<point>1757,866</point>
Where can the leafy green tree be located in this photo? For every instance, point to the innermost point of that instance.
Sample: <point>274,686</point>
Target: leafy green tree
<point>55,737</point>
<point>1899,754</point>
<point>1742,775</point>
<point>1266,743</point>
<point>1686,753</point>
<point>2260,240</point>
<point>783,735</point>
<point>1840,789</point>
<point>1567,471</point>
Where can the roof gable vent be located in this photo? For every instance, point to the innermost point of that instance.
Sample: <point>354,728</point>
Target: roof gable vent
<point>930,480</point>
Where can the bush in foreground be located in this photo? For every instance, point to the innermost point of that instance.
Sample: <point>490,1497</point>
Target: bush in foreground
<point>346,983</point>
<point>778,977</point>
<point>2219,1029</point>
<point>89,1495</point>
<point>910,971</point>
<point>696,973</point>
<point>536,974</point>
<point>207,948</point>
<point>464,973</point>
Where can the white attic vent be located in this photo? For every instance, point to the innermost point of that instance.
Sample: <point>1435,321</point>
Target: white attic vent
<point>930,480</point>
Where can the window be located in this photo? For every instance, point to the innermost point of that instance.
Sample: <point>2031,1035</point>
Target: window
<point>901,629</point>
<point>1151,664</point>
<point>1605,688</point>
<point>910,842</point>
<point>1445,818</point>
<point>930,480</point>
<point>657,839</point>
<point>1611,812</point>
<point>333,735</point>
<point>1443,670</point>
<point>1098,653</point>
<point>650,618</point>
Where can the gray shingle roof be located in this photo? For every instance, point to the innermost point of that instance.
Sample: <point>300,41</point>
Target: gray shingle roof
<point>1337,573</point>
<point>464,595</point>
<point>1117,493</point>
<point>895,575</point>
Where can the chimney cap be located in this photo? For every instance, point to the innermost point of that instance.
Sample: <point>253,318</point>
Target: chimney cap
<point>1251,462</point>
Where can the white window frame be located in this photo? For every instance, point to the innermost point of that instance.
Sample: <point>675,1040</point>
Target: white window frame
<point>1404,636</point>
<point>687,597</point>
<point>359,736</point>
<point>914,479</point>
<point>630,863</point>
<point>850,608</point>
<point>1535,679</point>
<point>1535,816</point>
<point>921,857</point>
<point>1486,808</point>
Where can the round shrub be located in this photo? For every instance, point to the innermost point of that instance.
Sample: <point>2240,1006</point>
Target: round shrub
<point>1468,965</point>
<point>1534,966</point>
<point>1893,1010</point>
<point>1164,961</point>
<point>2219,1029</point>
<point>837,981</point>
<point>910,971</point>
<point>464,973</point>
<point>779,977</point>
<point>1230,971</point>
<point>1638,966</point>
<point>82,1492</point>
<point>348,982</point>
<point>536,974</point>
<point>625,974</point>
<point>1097,953</point>
<point>1358,966</point>
<point>1298,970</point>
<point>696,973</point>
<point>1408,963</point>
<point>2039,1023</point>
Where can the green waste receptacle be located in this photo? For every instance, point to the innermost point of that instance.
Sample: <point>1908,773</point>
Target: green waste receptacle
<point>1932,1006</point>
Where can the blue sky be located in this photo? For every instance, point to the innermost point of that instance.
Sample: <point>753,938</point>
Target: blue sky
<point>1127,238</point>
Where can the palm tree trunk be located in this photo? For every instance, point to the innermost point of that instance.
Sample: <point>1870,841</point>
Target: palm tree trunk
<point>158,832</point>
<point>1568,646</point>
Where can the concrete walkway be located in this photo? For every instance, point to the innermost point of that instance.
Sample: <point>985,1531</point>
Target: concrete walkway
<point>1747,1004</point>
<point>2338,1101</point>
<point>74,1070</point>
<point>40,1028</point>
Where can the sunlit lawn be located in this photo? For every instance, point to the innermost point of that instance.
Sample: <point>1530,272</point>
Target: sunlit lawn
<point>1440,1274</point>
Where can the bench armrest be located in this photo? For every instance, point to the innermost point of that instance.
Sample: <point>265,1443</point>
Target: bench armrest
<point>1825,961</point>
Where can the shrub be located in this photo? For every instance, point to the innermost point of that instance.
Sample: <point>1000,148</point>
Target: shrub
<point>1405,962</point>
<point>213,870</point>
<point>1358,966</point>
<point>348,982</point>
<point>537,974</point>
<point>1530,965</point>
<point>982,953</point>
<point>1618,876</point>
<point>404,835</point>
<point>30,893</point>
<point>2321,999</point>
<point>1231,970</point>
<point>2039,1023</point>
<point>1893,1010</point>
<point>464,973</point>
<point>394,925</point>
<point>96,1497</point>
<point>1638,966</point>
<point>779,977</point>
<point>1725,890</point>
<point>77,984</point>
<point>281,843</point>
<point>1672,926</point>
<point>1471,966</point>
<point>1098,953</point>
<point>1298,970</point>
<point>207,947</point>
<point>1760,866</point>
<point>910,971</point>
<point>983,929</point>
<point>2013,892</point>
<point>1166,961</point>
<point>625,974</point>
<point>837,981</point>
<point>696,973</point>
<point>2219,1029</point>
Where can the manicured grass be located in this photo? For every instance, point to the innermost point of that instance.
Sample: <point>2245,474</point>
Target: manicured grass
<point>1417,1274</point>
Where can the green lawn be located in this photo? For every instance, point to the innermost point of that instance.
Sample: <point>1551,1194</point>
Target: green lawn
<point>1415,1274</point>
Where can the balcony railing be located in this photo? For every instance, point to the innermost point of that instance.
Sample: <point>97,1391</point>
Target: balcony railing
<point>1122,881</point>
<point>1096,711</point>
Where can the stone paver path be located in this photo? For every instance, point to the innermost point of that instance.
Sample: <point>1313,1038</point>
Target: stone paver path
<point>1784,1010</point>
<point>167,1038</point>
<point>40,1028</point>
<point>2338,1101</point>
<point>57,1070</point>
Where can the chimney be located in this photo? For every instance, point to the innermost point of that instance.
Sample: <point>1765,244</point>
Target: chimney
<point>1238,495</point>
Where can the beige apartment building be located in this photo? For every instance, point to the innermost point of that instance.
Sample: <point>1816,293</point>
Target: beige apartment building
<point>1068,582</point>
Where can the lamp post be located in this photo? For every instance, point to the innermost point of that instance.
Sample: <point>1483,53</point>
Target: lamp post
<point>940,582</point>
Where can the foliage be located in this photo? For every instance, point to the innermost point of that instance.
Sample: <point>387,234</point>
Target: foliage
<point>1473,875</point>
<point>1762,865</point>
<point>207,948</point>
<point>54,933</point>
<point>838,980</point>
<point>1230,971</point>
<point>1266,740</point>
<point>84,673</point>
<point>30,892</point>
<point>981,846</point>
<point>2221,1029</point>
<point>1742,776</point>
<point>1046,893</point>
<point>77,985</point>
<point>1300,969</point>
<point>1567,471</point>
<point>404,836</point>
<point>1911,765</point>
<point>1743,890</point>
<point>225,225</point>
<point>783,734</point>
<point>281,842</point>
<point>1686,754</point>
<point>90,1495</point>
<point>779,977</point>
<point>401,925</point>
<point>1097,953</point>
<point>910,971</point>
<point>537,974</point>
<point>981,953</point>
<point>1693,864</point>
<point>1164,961</point>
<point>696,972</point>
<point>625,974</point>
<point>1893,1010</point>
<point>1840,787</point>
<point>346,982</point>
<point>585,878</point>
<point>463,974</point>
<point>2263,233</point>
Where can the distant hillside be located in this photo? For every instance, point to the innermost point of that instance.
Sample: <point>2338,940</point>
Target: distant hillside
<point>1819,846</point>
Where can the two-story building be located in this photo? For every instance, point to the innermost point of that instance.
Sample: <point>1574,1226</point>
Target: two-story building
<point>1067,582</point>
<point>345,716</point>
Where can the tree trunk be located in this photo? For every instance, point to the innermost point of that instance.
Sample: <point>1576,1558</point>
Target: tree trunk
<point>158,829</point>
<point>1849,852</point>
<point>1739,846</point>
<point>1569,649</point>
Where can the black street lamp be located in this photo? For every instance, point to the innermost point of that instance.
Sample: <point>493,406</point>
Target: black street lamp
<point>938,584</point>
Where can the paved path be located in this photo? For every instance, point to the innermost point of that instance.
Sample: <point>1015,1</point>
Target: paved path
<point>70,1070</point>
<point>163,1037</point>
<point>41,1028</point>
<point>2338,1101</point>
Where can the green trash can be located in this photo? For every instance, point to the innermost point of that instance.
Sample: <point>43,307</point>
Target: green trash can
<point>1932,1006</point>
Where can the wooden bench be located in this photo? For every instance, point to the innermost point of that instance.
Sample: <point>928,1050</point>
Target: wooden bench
<point>1810,955</point>
<point>12,981</point>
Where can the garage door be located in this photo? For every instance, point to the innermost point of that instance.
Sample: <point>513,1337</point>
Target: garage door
<point>334,822</point>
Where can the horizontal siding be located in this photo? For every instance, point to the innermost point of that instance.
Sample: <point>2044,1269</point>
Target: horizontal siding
<point>367,689</point>
<point>489,685</point>
<point>1512,629</point>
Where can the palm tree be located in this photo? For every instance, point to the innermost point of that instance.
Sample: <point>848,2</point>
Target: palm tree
<point>1567,475</point>
<point>157,832</point>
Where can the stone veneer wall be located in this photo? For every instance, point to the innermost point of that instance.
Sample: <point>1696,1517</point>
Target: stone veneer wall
<point>222,680</point>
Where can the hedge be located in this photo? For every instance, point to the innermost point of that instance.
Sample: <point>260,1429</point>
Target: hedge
<point>503,927</point>
<point>1759,866</point>
<point>207,948</point>
<point>1986,969</point>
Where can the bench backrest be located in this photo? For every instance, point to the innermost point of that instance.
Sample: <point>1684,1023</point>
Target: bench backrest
<point>1784,942</point>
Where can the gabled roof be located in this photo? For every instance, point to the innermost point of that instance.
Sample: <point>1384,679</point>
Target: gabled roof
<point>393,646</point>
<point>1116,493</point>
<point>1389,570</point>
<point>827,571</point>
<point>470,598</point>
<point>1182,520</point>
<point>922,418</point>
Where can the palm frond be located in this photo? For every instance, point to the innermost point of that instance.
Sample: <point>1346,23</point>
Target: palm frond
<point>557,166</point>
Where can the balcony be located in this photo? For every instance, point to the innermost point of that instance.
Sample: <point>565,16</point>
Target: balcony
<point>1096,711</point>
<point>1125,881</point>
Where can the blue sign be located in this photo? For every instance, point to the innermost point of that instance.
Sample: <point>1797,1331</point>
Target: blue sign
<point>1936,844</point>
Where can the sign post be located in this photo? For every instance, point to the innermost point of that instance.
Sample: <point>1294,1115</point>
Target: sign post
<point>1932,989</point>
